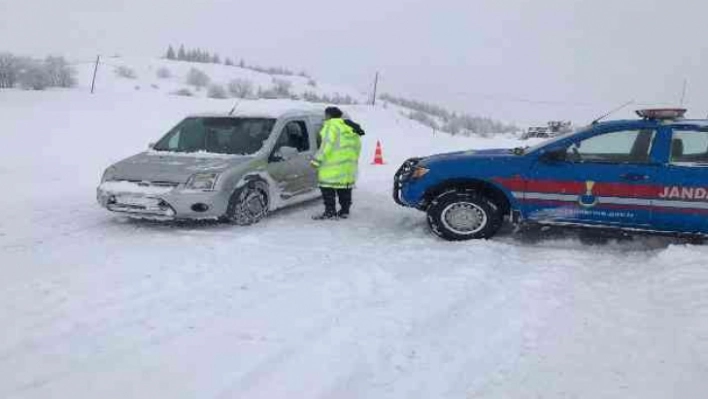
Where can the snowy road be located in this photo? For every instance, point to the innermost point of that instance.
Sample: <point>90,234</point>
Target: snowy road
<point>94,305</point>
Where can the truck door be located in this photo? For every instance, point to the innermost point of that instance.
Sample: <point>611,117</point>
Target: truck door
<point>682,202</point>
<point>601,179</point>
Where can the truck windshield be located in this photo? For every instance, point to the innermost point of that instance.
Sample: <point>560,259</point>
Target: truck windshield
<point>219,135</point>
<point>550,141</point>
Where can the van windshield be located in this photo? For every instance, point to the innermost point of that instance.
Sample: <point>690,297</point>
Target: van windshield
<point>219,135</point>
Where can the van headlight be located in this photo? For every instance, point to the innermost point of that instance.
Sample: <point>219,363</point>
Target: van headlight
<point>202,181</point>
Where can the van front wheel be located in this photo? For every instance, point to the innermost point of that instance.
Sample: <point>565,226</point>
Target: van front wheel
<point>248,205</point>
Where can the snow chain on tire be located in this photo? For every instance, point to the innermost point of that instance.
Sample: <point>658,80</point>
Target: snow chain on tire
<point>248,205</point>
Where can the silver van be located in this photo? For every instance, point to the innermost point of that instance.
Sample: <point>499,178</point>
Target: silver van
<point>234,167</point>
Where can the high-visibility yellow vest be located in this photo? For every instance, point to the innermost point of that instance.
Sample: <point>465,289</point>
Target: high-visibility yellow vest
<point>338,156</point>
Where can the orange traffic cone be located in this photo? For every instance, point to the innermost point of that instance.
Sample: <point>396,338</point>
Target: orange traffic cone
<point>378,155</point>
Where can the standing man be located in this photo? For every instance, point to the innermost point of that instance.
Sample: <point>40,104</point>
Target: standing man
<point>337,163</point>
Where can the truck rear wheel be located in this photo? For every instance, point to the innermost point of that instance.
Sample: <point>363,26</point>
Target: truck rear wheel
<point>464,215</point>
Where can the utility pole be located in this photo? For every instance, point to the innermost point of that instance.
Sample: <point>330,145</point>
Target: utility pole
<point>95,70</point>
<point>683,92</point>
<point>376,84</point>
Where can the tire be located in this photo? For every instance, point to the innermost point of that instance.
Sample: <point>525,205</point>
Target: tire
<point>464,215</point>
<point>248,205</point>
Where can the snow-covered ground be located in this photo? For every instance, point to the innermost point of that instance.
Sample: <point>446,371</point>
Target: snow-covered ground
<point>99,306</point>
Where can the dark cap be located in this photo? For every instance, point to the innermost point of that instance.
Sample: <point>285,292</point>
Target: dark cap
<point>333,112</point>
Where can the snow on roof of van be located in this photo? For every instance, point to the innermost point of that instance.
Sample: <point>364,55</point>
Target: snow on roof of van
<point>269,109</point>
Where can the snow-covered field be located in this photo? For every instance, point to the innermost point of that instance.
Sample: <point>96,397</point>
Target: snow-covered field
<point>97,306</point>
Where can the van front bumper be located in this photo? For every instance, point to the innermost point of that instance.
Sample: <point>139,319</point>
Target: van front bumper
<point>168,203</point>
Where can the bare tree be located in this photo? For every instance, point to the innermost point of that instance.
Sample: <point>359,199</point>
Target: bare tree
<point>125,72</point>
<point>9,70</point>
<point>241,88</point>
<point>314,98</point>
<point>281,87</point>
<point>34,76</point>
<point>452,122</point>
<point>163,73</point>
<point>60,73</point>
<point>342,100</point>
<point>183,93</point>
<point>424,119</point>
<point>217,91</point>
<point>197,78</point>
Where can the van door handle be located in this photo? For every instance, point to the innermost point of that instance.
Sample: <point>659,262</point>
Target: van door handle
<point>634,177</point>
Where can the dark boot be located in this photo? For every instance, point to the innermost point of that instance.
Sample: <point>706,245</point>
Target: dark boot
<point>329,197</point>
<point>345,202</point>
<point>325,216</point>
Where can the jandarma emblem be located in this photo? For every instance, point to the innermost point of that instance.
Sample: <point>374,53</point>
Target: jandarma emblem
<point>588,200</point>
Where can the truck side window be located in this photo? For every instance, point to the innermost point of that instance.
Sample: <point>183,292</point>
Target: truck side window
<point>689,148</point>
<point>629,146</point>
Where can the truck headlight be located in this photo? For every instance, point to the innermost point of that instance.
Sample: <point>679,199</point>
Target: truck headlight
<point>202,181</point>
<point>108,174</point>
<point>419,172</point>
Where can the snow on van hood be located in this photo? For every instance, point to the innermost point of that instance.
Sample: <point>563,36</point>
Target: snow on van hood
<point>173,167</point>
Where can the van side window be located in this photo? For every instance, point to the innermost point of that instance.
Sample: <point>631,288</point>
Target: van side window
<point>318,129</point>
<point>294,135</point>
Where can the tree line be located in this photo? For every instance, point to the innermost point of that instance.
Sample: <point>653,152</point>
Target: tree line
<point>243,88</point>
<point>203,56</point>
<point>35,74</point>
<point>439,118</point>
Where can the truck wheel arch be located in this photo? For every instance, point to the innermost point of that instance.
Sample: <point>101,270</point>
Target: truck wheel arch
<point>490,190</point>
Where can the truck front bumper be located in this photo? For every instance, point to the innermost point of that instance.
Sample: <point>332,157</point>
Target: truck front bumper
<point>400,179</point>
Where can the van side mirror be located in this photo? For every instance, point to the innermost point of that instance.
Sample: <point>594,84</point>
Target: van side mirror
<point>554,155</point>
<point>151,146</point>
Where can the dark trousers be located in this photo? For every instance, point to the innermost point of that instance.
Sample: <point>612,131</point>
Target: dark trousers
<point>330,195</point>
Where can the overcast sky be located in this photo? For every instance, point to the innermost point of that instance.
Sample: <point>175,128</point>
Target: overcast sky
<point>518,60</point>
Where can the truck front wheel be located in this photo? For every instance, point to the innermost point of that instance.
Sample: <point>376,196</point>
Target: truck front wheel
<point>464,215</point>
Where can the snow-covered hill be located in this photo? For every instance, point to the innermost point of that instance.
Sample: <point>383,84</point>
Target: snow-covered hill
<point>98,306</point>
<point>146,78</point>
